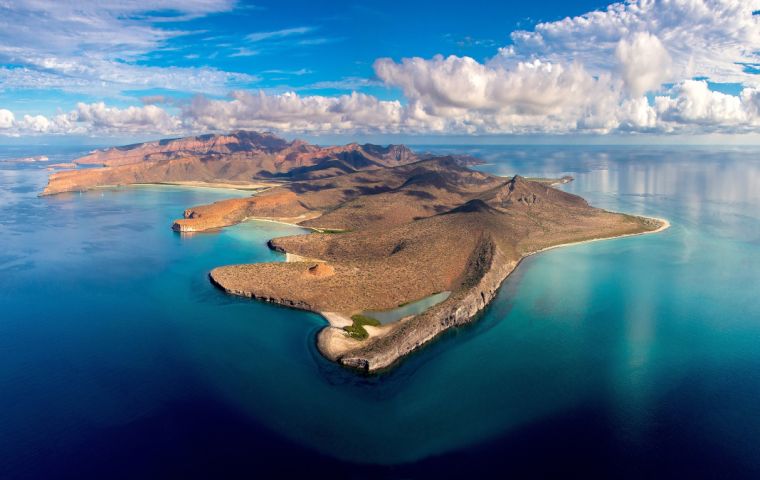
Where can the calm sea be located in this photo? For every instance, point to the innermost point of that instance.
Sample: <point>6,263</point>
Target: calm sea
<point>630,358</point>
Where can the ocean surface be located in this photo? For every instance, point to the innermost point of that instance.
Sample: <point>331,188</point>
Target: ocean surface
<point>629,358</point>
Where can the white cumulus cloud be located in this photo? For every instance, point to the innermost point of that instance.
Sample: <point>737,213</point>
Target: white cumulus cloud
<point>644,63</point>
<point>7,119</point>
<point>131,119</point>
<point>467,96</point>
<point>710,38</point>
<point>93,119</point>
<point>694,104</point>
<point>638,66</point>
<point>292,112</point>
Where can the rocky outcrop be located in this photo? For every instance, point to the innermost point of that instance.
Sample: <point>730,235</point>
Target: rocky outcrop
<point>274,204</point>
<point>488,269</point>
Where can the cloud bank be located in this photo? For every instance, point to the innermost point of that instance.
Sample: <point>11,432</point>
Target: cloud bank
<point>644,66</point>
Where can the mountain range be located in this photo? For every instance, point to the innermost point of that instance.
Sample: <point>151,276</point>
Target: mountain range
<point>241,157</point>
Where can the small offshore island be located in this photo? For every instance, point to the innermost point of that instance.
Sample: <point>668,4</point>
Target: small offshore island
<point>390,227</point>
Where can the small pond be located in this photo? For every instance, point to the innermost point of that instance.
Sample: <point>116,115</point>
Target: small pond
<point>412,308</point>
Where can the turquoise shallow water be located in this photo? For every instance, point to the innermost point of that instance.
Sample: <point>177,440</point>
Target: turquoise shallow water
<point>631,357</point>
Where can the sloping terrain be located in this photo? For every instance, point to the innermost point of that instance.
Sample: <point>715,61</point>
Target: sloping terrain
<point>240,158</point>
<point>401,234</point>
<point>391,227</point>
<point>364,199</point>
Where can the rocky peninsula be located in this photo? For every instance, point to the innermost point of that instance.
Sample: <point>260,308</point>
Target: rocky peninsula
<point>389,227</point>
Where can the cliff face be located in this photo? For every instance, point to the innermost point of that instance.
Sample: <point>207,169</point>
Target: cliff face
<point>240,157</point>
<point>487,270</point>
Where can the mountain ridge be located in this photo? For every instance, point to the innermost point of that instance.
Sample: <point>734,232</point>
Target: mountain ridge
<point>238,157</point>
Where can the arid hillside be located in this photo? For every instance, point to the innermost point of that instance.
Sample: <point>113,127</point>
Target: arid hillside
<point>390,227</point>
<point>370,199</point>
<point>241,157</point>
<point>397,235</point>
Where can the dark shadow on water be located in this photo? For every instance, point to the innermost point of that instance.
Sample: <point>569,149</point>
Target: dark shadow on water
<point>578,444</point>
<point>203,439</point>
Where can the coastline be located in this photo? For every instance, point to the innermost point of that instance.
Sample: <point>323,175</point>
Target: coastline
<point>506,230</point>
<point>290,222</point>
<point>247,186</point>
<point>281,222</point>
<point>334,319</point>
<point>444,316</point>
<point>665,224</point>
<point>483,266</point>
<point>244,187</point>
<point>460,310</point>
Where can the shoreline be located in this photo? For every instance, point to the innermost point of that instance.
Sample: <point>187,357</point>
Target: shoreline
<point>249,187</point>
<point>464,312</point>
<point>470,303</point>
<point>281,222</point>
<point>336,346</point>
<point>334,319</point>
<point>665,224</point>
<point>284,222</point>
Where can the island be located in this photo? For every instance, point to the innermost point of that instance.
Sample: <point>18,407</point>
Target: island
<point>389,228</point>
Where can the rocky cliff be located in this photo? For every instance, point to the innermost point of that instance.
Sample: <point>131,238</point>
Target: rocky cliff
<point>488,269</point>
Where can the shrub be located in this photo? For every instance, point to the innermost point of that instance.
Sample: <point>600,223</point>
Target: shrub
<point>357,330</point>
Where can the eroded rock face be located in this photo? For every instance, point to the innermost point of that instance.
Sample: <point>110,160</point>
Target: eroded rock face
<point>488,269</point>
<point>221,278</point>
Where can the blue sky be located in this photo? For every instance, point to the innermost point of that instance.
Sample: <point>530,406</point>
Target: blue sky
<point>578,69</point>
<point>315,47</point>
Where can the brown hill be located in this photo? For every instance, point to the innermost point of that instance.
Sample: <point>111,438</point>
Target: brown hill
<point>238,158</point>
<point>202,145</point>
<point>397,235</point>
<point>370,199</point>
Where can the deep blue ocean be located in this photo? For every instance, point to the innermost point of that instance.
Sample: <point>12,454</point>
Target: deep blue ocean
<point>629,358</point>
